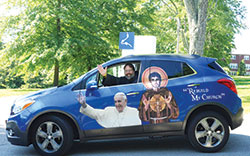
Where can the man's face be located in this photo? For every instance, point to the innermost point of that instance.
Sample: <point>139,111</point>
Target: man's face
<point>155,81</point>
<point>120,103</point>
<point>129,72</point>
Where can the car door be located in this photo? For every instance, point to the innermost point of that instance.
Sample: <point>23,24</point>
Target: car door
<point>102,98</point>
<point>172,113</point>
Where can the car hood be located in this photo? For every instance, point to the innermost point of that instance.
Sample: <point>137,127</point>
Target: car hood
<point>35,95</point>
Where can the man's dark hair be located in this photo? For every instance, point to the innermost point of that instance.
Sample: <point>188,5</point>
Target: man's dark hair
<point>130,65</point>
<point>154,74</point>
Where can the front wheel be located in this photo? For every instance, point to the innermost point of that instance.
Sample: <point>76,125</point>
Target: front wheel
<point>52,135</point>
<point>208,131</point>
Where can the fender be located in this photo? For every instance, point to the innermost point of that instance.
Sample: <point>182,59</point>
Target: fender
<point>205,105</point>
<point>51,111</point>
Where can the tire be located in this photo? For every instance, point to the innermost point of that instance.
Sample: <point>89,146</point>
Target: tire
<point>52,135</point>
<point>208,131</point>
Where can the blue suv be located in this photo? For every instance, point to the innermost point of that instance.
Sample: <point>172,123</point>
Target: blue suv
<point>169,95</point>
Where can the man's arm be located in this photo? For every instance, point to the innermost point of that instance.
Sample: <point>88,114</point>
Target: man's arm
<point>92,112</point>
<point>102,71</point>
<point>88,110</point>
<point>108,80</point>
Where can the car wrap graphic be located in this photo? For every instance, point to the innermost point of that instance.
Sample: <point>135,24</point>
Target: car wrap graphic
<point>157,103</point>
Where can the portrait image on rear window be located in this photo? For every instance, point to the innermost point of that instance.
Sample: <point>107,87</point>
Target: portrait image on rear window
<point>157,104</point>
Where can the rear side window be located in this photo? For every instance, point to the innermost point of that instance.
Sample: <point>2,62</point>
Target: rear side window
<point>215,66</point>
<point>174,69</point>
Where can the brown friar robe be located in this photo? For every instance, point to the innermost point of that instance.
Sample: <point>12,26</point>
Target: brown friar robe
<point>158,110</point>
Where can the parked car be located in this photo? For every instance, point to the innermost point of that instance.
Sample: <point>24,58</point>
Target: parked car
<point>193,96</point>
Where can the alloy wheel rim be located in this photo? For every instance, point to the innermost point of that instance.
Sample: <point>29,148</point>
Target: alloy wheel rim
<point>49,137</point>
<point>209,132</point>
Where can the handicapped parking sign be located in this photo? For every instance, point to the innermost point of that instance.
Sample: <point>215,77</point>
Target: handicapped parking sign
<point>126,40</point>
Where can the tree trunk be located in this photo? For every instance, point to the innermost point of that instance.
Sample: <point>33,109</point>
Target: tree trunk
<point>56,67</point>
<point>56,73</point>
<point>197,17</point>
<point>184,38</point>
<point>178,34</point>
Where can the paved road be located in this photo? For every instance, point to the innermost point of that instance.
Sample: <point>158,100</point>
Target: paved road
<point>238,144</point>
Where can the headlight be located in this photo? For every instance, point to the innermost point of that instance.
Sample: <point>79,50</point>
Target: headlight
<point>21,105</point>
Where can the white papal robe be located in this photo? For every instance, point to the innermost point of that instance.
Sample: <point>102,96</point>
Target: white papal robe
<point>110,117</point>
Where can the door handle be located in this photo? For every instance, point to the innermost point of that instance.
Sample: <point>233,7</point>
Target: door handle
<point>193,85</point>
<point>133,93</point>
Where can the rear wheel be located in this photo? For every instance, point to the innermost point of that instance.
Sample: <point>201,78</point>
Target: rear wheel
<point>52,135</point>
<point>208,131</point>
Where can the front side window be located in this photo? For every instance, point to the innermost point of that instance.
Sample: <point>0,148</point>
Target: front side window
<point>83,83</point>
<point>174,68</point>
<point>92,77</point>
<point>119,74</point>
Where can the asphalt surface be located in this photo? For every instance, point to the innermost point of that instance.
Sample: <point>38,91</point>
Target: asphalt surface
<point>238,143</point>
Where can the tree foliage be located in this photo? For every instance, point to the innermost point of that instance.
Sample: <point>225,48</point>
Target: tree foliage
<point>73,35</point>
<point>168,17</point>
<point>224,21</point>
<point>8,79</point>
<point>242,68</point>
<point>62,39</point>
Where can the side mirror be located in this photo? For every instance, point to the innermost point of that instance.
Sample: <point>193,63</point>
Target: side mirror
<point>92,85</point>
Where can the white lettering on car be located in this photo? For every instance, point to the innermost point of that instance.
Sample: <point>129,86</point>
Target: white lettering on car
<point>202,94</point>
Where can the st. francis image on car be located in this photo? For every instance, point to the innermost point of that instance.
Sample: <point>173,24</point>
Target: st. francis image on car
<point>132,96</point>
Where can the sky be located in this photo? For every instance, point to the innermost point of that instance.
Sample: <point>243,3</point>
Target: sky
<point>3,10</point>
<point>242,40</point>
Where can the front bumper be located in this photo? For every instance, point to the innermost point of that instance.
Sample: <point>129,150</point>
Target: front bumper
<point>15,136</point>
<point>237,119</point>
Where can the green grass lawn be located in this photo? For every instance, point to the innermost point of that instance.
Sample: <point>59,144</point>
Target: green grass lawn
<point>15,92</point>
<point>242,84</point>
<point>243,88</point>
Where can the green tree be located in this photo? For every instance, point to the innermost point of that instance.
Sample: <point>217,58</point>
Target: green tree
<point>224,21</point>
<point>170,27</point>
<point>212,26</point>
<point>10,79</point>
<point>72,37</point>
<point>1,45</point>
<point>242,68</point>
<point>60,40</point>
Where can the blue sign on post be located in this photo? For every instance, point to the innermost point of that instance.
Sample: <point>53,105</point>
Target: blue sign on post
<point>126,40</point>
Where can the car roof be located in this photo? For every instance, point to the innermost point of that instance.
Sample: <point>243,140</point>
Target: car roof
<point>173,57</point>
